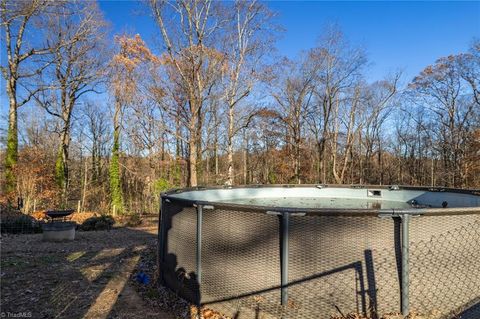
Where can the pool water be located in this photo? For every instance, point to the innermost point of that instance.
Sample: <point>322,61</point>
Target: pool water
<point>320,202</point>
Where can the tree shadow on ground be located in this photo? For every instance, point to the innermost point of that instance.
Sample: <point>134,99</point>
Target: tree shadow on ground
<point>89,277</point>
<point>86,278</point>
<point>471,312</point>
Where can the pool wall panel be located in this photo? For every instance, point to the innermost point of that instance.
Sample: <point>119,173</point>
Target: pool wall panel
<point>337,264</point>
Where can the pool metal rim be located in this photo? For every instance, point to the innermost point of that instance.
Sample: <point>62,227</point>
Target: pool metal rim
<point>170,197</point>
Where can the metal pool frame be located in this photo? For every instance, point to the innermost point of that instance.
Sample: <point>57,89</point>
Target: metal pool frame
<point>284,214</point>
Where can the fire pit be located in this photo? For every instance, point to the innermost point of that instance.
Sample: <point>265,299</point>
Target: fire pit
<point>55,215</point>
<point>58,229</point>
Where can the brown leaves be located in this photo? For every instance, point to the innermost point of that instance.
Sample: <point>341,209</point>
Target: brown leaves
<point>267,113</point>
<point>35,178</point>
<point>126,63</point>
<point>133,51</point>
<point>39,215</point>
<point>443,69</point>
<point>205,313</point>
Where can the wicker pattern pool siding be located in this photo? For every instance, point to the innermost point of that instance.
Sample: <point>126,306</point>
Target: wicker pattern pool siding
<point>338,263</point>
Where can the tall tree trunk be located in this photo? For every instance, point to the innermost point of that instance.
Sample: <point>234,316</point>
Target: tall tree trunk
<point>198,139</point>
<point>115,182</point>
<point>207,167</point>
<point>61,165</point>
<point>215,145</point>
<point>231,172</point>
<point>319,161</point>
<point>192,162</point>
<point>12,143</point>
<point>84,191</point>
<point>297,140</point>
<point>245,160</point>
<point>297,161</point>
<point>380,163</point>
<point>215,154</point>
<point>193,151</point>
<point>178,141</point>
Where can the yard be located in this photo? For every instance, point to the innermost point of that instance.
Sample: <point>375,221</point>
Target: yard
<point>94,276</point>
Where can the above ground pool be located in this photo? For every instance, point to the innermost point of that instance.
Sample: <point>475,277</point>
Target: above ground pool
<point>322,250</point>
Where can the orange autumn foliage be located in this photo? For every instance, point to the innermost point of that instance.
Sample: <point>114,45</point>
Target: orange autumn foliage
<point>39,215</point>
<point>79,218</point>
<point>126,64</point>
<point>132,52</point>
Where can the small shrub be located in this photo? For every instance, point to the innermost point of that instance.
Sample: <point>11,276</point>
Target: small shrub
<point>104,222</point>
<point>161,185</point>
<point>80,218</point>
<point>102,225</point>
<point>19,224</point>
<point>131,220</point>
<point>14,221</point>
<point>89,224</point>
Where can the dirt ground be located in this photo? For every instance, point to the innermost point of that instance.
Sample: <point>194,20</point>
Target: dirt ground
<point>94,276</point>
<point>91,277</point>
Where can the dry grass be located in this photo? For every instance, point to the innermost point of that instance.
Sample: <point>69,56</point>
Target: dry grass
<point>87,278</point>
<point>95,277</point>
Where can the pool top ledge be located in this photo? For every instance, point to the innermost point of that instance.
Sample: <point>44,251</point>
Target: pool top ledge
<point>332,199</point>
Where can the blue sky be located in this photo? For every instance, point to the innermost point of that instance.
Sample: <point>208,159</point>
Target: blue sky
<point>407,35</point>
<point>403,35</point>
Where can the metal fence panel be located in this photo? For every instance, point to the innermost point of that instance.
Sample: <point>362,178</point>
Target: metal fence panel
<point>178,264</point>
<point>445,266</point>
<point>336,263</point>
<point>240,262</point>
<point>341,265</point>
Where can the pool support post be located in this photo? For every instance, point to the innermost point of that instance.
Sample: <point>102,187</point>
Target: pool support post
<point>405,264</point>
<point>199,243</point>
<point>284,257</point>
<point>404,216</point>
<point>161,240</point>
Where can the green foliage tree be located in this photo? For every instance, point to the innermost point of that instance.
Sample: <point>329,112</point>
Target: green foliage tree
<point>124,70</point>
<point>115,181</point>
<point>60,170</point>
<point>15,21</point>
<point>11,157</point>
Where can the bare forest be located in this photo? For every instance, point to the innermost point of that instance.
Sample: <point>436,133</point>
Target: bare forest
<point>104,122</point>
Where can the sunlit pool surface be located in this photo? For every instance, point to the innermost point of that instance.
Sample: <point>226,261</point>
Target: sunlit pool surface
<point>320,202</point>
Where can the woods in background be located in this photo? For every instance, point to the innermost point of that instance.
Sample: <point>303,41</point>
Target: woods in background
<point>108,122</point>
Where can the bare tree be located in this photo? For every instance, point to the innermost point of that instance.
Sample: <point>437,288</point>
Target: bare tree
<point>194,65</point>
<point>247,39</point>
<point>340,70</point>
<point>441,89</point>
<point>292,91</point>
<point>378,108</point>
<point>78,33</point>
<point>344,127</point>
<point>469,68</point>
<point>95,119</point>
<point>17,20</point>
